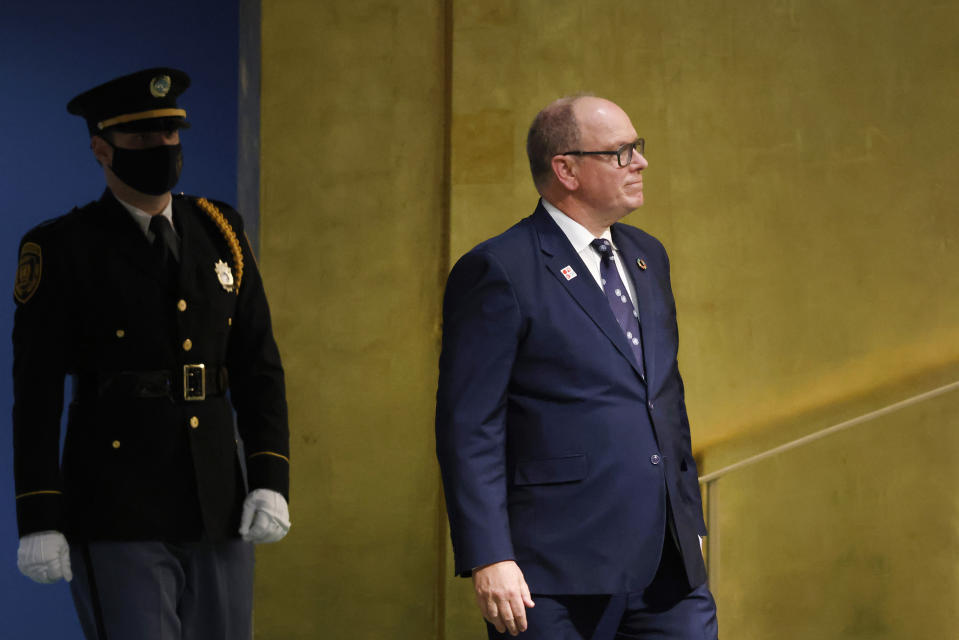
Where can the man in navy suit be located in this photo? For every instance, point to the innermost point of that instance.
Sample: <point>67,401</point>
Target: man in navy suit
<point>561,422</point>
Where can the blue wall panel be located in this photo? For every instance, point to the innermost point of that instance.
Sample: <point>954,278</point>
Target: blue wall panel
<point>49,52</point>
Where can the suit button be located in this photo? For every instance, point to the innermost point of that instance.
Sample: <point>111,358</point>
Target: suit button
<point>116,444</point>
<point>650,405</point>
<point>181,305</point>
<point>187,344</point>
<point>121,333</point>
<point>194,422</point>
<point>654,458</point>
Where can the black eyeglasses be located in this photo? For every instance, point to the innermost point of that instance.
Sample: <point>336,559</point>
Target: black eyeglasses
<point>624,155</point>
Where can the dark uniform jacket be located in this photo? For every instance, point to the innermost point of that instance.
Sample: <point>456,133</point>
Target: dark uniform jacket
<point>140,460</point>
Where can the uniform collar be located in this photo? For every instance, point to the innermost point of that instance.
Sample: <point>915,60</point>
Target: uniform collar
<point>142,218</point>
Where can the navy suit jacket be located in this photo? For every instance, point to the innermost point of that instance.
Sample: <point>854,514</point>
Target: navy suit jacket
<point>554,451</point>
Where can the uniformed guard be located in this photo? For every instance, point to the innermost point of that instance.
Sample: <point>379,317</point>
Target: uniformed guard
<point>154,305</point>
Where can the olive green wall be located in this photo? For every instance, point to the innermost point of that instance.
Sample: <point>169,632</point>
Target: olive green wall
<point>853,537</point>
<point>352,166</point>
<point>799,156</point>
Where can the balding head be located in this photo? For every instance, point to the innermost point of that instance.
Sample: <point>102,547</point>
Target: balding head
<point>573,148</point>
<point>597,119</point>
<point>554,130</point>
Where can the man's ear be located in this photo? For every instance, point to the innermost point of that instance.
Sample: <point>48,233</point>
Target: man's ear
<point>102,150</point>
<point>564,169</point>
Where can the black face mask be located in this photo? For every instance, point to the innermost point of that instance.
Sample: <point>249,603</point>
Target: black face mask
<point>153,171</point>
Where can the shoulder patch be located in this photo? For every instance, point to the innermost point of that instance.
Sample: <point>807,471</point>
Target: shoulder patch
<point>28,272</point>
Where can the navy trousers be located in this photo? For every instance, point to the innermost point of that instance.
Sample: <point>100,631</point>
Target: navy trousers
<point>665,610</point>
<point>163,591</point>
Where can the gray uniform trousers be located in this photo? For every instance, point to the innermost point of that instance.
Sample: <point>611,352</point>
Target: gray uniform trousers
<point>163,591</point>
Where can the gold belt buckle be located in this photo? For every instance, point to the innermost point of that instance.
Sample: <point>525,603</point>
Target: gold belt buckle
<point>194,382</point>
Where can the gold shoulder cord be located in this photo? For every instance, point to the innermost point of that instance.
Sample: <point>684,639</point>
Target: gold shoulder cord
<point>228,233</point>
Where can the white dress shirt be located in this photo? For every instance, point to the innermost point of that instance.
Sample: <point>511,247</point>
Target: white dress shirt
<point>142,218</point>
<point>580,237</point>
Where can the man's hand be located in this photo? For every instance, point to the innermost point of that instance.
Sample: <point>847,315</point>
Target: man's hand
<point>266,516</point>
<point>502,596</point>
<point>44,557</point>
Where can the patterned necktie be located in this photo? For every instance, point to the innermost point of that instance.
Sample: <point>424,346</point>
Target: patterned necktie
<point>618,297</point>
<point>164,245</point>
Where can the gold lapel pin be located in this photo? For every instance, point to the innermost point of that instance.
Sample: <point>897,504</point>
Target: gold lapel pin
<point>641,263</point>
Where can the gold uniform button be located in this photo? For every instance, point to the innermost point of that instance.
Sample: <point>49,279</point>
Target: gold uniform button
<point>194,422</point>
<point>121,333</point>
<point>116,444</point>
<point>187,344</point>
<point>181,305</point>
<point>229,322</point>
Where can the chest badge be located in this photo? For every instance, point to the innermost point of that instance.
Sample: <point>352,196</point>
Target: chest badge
<point>224,275</point>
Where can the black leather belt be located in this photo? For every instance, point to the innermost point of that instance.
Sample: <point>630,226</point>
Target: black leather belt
<point>193,382</point>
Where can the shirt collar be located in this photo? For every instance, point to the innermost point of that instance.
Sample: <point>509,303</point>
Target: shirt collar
<point>578,235</point>
<point>142,218</point>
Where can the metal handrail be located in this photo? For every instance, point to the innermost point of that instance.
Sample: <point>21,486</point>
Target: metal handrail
<point>812,437</point>
<point>712,486</point>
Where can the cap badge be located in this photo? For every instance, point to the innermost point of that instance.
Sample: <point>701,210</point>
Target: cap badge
<point>224,275</point>
<point>641,263</point>
<point>160,86</point>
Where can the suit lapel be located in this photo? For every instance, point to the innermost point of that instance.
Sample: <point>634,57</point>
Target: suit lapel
<point>645,301</point>
<point>558,254</point>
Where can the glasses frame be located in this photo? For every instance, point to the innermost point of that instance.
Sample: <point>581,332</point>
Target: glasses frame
<point>627,149</point>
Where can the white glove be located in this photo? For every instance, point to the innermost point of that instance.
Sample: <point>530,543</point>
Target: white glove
<point>44,557</point>
<point>266,516</point>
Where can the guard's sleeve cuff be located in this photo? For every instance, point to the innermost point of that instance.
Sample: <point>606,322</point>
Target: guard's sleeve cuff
<point>269,470</point>
<point>40,510</point>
